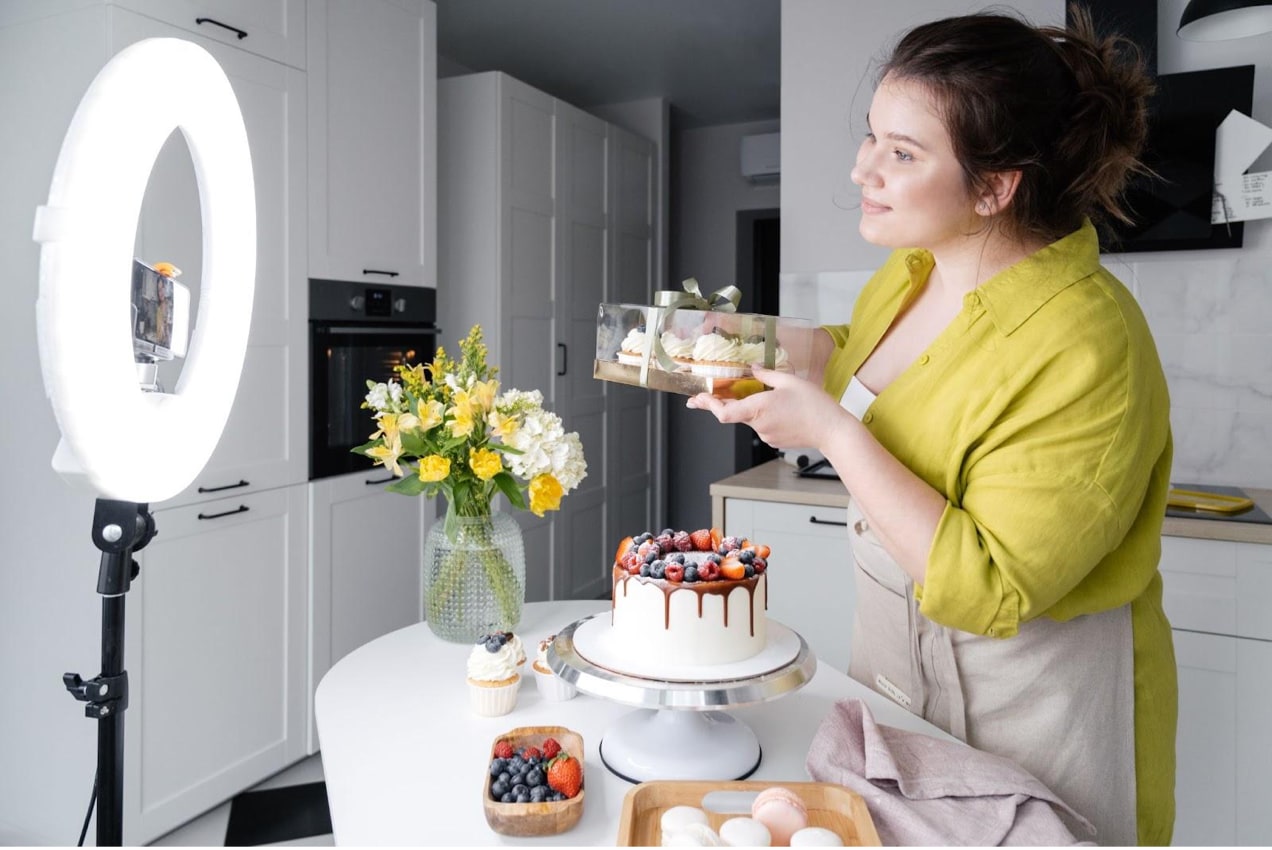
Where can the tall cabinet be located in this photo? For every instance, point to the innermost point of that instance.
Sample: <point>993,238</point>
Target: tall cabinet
<point>549,212</point>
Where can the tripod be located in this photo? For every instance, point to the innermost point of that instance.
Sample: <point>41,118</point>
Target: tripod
<point>119,530</point>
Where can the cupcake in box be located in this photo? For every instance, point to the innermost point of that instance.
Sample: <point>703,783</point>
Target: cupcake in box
<point>492,675</point>
<point>718,356</point>
<point>551,686</point>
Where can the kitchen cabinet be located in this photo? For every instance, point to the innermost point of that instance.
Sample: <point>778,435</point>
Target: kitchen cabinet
<point>372,141</point>
<point>1218,596</point>
<point>366,566</point>
<point>273,29</point>
<point>264,442</point>
<point>216,654</point>
<point>549,213</point>
<point>811,586</point>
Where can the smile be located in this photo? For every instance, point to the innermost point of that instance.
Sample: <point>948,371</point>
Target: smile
<point>871,208</point>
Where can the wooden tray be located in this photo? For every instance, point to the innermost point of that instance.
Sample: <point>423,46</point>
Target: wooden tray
<point>831,806</point>
<point>531,819</point>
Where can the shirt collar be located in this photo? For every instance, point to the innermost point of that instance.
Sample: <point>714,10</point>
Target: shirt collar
<point>1014,294</point>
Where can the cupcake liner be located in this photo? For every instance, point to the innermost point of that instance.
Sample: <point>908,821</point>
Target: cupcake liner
<point>720,370</point>
<point>492,699</point>
<point>552,687</point>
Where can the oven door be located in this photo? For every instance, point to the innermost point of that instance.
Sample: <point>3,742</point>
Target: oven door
<point>343,356</point>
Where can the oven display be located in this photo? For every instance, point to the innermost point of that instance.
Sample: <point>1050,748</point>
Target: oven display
<point>379,302</point>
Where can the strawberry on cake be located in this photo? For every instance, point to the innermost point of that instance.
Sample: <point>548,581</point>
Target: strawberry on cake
<point>696,599</point>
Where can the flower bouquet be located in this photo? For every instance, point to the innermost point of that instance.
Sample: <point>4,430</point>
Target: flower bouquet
<point>445,428</point>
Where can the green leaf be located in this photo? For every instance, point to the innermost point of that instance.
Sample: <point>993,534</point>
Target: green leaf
<point>414,444</point>
<point>504,449</point>
<point>411,485</point>
<point>365,447</point>
<point>508,486</point>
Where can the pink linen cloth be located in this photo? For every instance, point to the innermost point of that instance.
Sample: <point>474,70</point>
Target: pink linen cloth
<point>924,791</point>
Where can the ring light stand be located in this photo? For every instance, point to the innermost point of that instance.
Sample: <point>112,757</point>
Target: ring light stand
<point>133,447</point>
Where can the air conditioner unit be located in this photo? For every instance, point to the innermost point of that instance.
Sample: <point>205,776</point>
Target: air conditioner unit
<point>762,157</point>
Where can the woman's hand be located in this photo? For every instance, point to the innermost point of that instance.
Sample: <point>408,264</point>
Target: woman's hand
<point>795,413</point>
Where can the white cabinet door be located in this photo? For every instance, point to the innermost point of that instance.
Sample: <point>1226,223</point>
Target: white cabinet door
<point>274,29</point>
<point>263,445</point>
<point>811,587</point>
<point>366,557</point>
<point>216,650</point>
<point>372,141</point>
<point>1206,744</point>
<point>1254,742</point>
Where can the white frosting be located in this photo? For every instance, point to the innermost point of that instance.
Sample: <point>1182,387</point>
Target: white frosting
<point>753,352</point>
<point>487,666</point>
<point>519,648</point>
<point>541,661</point>
<point>716,347</point>
<point>675,346</point>
<point>634,341</point>
<point>668,625</point>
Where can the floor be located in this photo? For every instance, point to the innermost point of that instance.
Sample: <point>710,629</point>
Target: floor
<point>288,809</point>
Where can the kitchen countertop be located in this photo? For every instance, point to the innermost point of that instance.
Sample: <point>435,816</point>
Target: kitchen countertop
<point>776,481</point>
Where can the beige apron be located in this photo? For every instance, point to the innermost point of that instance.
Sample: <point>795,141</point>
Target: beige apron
<point>1058,698</point>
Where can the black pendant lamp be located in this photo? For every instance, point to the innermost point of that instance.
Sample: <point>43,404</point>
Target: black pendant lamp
<point>1218,20</point>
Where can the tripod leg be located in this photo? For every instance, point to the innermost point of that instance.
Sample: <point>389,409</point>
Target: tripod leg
<point>110,732</point>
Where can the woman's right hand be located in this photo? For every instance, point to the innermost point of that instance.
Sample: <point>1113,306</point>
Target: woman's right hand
<point>796,412</point>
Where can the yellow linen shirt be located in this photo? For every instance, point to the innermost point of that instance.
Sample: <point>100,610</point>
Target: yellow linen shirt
<point>1041,413</point>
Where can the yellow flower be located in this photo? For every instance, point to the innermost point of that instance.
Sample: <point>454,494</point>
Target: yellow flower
<point>434,468</point>
<point>545,494</point>
<point>407,422</point>
<point>388,454</point>
<point>461,416</point>
<point>388,423</point>
<point>431,414</point>
<point>485,463</point>
<point>483,394</point>
<point>412,377</point>
<point>503,426</point>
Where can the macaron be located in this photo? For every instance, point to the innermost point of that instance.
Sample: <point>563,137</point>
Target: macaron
<point>782,811</point>
<point>692,835</point>
<point>744,832</point>
<point>816,836</point>
<point>678,820</point>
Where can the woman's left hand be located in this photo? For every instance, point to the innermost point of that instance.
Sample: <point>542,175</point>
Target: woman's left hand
<point>795,413</point>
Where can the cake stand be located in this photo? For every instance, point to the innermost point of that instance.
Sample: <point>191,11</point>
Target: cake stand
<point>678,730</point>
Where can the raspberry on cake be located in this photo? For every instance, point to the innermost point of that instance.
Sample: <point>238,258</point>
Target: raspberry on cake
<point>694,606</point>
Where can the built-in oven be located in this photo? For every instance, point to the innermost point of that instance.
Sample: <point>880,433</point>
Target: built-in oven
<point>358,332</point>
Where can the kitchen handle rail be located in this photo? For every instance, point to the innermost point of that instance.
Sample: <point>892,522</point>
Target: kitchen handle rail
<point>815,521</point>
<point>241,509</point>
<point>565,355</point>
<point>242,34</point>
<point>380,271</point>
<point>241,483</point>
<point>371,482</point>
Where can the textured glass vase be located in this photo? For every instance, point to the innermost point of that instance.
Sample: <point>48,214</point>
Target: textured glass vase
<point>474,584</point>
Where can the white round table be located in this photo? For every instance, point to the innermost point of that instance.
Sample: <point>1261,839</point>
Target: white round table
<point>405,757</point>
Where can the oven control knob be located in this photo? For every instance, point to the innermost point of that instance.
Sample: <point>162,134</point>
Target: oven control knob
<point>399,305</point>
<point>357,302</point>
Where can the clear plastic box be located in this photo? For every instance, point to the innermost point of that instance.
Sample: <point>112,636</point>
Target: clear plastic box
<point>697,351</point>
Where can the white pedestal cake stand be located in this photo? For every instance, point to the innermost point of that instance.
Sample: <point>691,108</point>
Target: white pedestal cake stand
<point>679,731</point>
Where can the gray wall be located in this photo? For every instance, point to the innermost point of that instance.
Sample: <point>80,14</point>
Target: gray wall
<point>707,192</point>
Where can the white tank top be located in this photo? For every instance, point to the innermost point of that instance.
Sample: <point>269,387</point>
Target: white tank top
<point>857,398</point>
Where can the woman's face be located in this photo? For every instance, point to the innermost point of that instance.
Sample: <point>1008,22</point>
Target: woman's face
<point>912,189</point>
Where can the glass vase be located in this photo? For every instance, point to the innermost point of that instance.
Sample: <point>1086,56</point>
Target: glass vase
<point>474,584</point>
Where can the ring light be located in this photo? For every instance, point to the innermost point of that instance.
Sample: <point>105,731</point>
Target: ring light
<point>128,444</point>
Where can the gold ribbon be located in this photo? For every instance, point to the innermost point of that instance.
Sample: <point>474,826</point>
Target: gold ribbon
<point>666,303</point>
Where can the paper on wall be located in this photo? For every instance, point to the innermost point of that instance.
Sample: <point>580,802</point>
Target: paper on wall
<point>1239,196</point>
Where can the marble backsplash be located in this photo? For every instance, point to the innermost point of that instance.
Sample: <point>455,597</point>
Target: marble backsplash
<point>1211,315</point>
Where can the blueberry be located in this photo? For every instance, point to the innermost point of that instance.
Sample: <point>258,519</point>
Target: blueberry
<point>644,570</point>
<point>523,798</point>
<point>691,573</point>
<point>746,556</point>
<point>534,778</point>
<point>497,767</point>
<point>538,793</point>
<point>558,796</point>
<point>678,557</point>
<point>507,798</point>
<point>749,572</point>
<point>658,569</point>
<point>651,556</point>
<point>643,537</point>
<point>713,558</point>
<point>503,776</point>
<point>520,789</point>
<point>493,645</point>
<point>498,789</point>
<point>667,532</point>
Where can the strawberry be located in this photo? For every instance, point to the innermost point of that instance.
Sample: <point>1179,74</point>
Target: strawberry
<point>733,568</point>
<point>708,571</point>
<point>503,750</point>
<point>716,536</point>
<point>681,542</point>
<point>531,753</point>
<point>551,748</point>
<point>762,550</point>
<point>622,549</point>
<point>565,774</point>
<point>701,540</point>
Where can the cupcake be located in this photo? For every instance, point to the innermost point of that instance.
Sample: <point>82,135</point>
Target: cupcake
<point>679,350</point>
<point>632,349</point>
<point>493,676</point>
<point>551,686</point>
<point>718,356</point>
<point>518,649</point>
<point>753,352</point>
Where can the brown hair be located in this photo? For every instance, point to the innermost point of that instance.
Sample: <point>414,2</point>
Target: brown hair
<point>1067,108</point>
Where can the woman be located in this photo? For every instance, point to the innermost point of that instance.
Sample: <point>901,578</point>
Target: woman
<point>999,416</point>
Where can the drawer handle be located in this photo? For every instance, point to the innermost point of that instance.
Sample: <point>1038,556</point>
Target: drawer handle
<point>241,483</point>
<point>371,482</point>
<point>380,271</point>
<point>817,521</point>
<point>565,353</point>
<point>241,509</point>
<point>240,33</point>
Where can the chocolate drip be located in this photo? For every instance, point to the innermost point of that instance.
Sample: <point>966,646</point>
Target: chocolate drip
<point>701,588</point>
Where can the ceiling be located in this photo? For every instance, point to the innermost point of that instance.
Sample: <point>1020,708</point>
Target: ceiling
<point>714,61</point>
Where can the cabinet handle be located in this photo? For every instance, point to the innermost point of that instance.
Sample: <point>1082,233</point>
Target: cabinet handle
<point>241,509</point>
<point>240,33</point>
<point>241,483</point>
<point>565,354</point>
<point>371,482</point>
<point>817,521</point>
<point>380,271</point>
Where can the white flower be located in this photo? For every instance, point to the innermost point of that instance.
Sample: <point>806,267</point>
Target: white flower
<point>395,392</point>
<point>545,447</point>
<point>378,397</point>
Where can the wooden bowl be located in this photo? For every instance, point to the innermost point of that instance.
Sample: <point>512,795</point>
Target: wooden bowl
<point>531,819</point>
